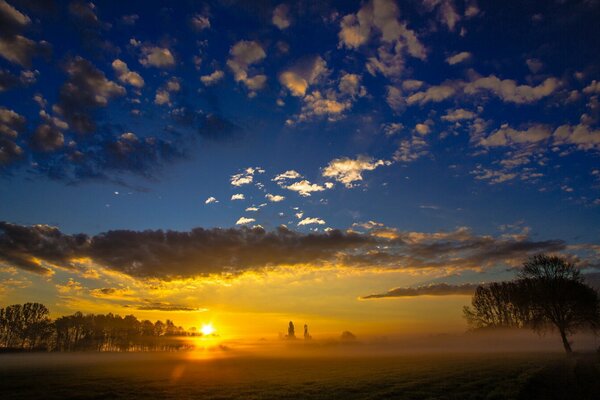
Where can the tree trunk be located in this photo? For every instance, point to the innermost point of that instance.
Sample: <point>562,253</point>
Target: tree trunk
<point>565,341</point>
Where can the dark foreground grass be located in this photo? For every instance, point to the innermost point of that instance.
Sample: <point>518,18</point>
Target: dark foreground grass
<point>177,376</point>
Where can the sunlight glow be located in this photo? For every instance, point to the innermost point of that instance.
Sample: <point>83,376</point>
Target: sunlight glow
<point>207,329</point>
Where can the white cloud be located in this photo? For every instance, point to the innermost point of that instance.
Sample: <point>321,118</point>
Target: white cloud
<point>304,188</point>
<point>246,177</point>
<point>211,200</point>
<point>348,171</point>
<point>213,78</point>
<point>243,54</point>
<point>244,221</point>
<point>252,209</point>
<point>275,198</point>
<point>311,221</point>
<point>458,58</point>
<point>159,57</point>
<point>127,76</point>
<point>290,174</point>
<point>238,196</point>
<point>281,18</point>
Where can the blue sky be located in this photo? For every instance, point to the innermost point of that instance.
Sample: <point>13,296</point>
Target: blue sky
<point>364,117</point>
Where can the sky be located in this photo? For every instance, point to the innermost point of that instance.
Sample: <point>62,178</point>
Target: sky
<point>355,166</point>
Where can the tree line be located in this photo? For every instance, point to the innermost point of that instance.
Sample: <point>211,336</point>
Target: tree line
<point>549,293</point>
<point>27,327</point>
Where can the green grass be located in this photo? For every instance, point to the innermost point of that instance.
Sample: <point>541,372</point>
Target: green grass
<point>176,376</point>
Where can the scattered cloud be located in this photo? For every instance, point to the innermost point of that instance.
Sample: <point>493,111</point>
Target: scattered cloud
<point>311,221</point>
<point>211,200</point>
<point>213,78</point>
<point>459,58</point>
<point>238,196</point>
<point>158,57</point>
<point>274,198</point>
<point>281,17</point>
<point>244,221</point>
<point>347,171</point>
<point>243,55</point>
<point>126,76</point>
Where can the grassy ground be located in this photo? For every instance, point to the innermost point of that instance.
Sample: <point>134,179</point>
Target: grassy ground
<point>179,376</point>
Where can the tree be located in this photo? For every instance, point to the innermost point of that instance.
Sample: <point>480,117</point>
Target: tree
<point>498,305</point>
<point>557,297</point>
<point>548,293</point>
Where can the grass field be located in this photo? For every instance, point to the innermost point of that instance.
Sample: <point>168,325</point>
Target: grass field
<point>183,376</point>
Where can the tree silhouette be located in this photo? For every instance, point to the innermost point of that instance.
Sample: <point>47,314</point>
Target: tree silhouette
<point>27,327</point>
<point>557,297</point>
<point>549,293</point>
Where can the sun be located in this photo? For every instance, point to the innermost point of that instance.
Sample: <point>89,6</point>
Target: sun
<point>207,329</point>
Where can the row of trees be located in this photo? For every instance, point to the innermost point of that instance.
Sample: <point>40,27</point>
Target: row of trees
<point>28,327</point>
<point>548,294</point>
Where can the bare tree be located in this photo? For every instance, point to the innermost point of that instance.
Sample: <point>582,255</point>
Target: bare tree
<point>548,294</point>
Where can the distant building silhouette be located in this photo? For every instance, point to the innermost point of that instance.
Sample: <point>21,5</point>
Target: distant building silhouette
<point>306,334</point>
<point>291,331</point>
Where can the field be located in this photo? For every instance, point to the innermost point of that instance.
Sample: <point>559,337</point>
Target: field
<point>415,376</point>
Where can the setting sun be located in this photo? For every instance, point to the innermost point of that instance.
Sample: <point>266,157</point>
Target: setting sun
<point>207,329</point>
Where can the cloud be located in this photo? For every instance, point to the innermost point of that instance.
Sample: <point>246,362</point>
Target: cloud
<point>311,221</point>
<point>458,58</point>
<point>434,94</point>
<point>211,200</point>
<point>172,254</point>
<point>85,90</point>
<point>348,171</point>
<point>162,97</point>
<point>246,177</point>
<point>379,18</point>
<point>445,12</point>
<point>302,74</point>
<point>200,22</point>
<point>213,78</point>
<point>244,221</point>
<point>458,115</point>
<point>508,90</point>
<point>275,198</point>
<point>290,174</point>
<point>159,57</point>
<point>412,149</point>
<point>238,196</point>
<point>506,136</point>
<point>14,47</point>
<point>436,289</point>
<point>422,129</point>
<point>243,54</point>
<point>126,76</point>
<point>581,136</point>
<point>303,187</point>
<point>281,17</point>
<point>47,138</point>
